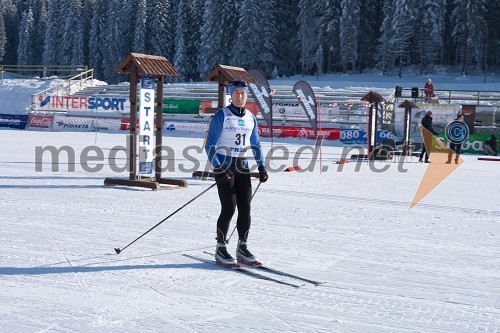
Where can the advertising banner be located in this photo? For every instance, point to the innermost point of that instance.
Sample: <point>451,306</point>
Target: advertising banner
<point>13,121</point>
<point>146,125</point>
<point>299,132</point>
<point>82,103</point>
<point>307,100</point>
<point>181,106</point>
<point>169,126</point>
<point>442,115</point>
<point>359,137</point>
<point>473,145</point>
<point>70,124</point>
<point>262,95</point>
<point>40,122</point>
<point>106,125</point>
<point>294,111</point>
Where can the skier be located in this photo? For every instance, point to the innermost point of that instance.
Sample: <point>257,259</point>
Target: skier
<point>231,133</point>
<point>427,124</point>
<point>455,147</point>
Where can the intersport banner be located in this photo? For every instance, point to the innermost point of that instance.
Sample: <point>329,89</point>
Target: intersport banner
<point>307,100</point>
<point>262,95</point>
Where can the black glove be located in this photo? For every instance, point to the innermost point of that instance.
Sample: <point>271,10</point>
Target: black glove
<point>222,175</point>
<point>263,177</point>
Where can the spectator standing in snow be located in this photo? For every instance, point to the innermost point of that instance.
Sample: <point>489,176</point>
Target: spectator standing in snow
<point>231,133</point>
<point>490,148</point>
<point>427,124</point>
<point>455,147</point>
<point>429,89</point>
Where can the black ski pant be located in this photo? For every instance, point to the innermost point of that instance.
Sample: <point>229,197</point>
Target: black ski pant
<point>236,193</point>
<point>456,147</point>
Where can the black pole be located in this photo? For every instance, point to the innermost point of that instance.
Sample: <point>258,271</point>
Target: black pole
<point>118,250</point>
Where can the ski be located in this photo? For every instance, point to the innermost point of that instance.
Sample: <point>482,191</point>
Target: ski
<point>240,269</point>
<point>267,269</point>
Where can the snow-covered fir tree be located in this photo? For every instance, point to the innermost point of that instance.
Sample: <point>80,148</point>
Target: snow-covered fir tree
<point>159,39</point>
<point>430,33</point>
<point>72,39</point>
<point>139,31</point>
<point>349,29</point>
<point>283,35</point>
<point>307,42</point>
<point>26,34</point>
<point>3,35</point>
<point>97,37</point>
<point>403,23</point>
<point>52,54</point>
<point>469,32</point>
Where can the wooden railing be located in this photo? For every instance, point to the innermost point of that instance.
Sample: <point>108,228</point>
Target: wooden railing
<point>30,71</point>
<point>66,87</point>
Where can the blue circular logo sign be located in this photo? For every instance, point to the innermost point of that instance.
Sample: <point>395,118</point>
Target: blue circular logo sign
<point>457,131</point>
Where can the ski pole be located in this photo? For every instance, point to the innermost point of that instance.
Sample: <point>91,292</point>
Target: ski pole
<point>258,185</point>
<point>118,250</point>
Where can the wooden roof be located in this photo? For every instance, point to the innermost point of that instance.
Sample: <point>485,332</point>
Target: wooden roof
<point>223,73</point>
<point>147,65</point>
<point>373,97</point>
<point>408,105</point>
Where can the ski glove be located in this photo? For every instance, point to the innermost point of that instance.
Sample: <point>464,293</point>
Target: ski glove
<point>222,175</point>
<point>263,177</point>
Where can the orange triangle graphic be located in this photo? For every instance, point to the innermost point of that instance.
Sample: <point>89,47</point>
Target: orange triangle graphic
<point>442,165</point>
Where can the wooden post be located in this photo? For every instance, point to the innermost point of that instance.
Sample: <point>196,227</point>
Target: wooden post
<point>133,121</point>
<point>159,126</point>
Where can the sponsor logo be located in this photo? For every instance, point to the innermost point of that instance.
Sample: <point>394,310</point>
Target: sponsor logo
<point>307,102</point>
<point>12,121</point>
<point>82,103</point>
<point>40,122</point>
<point>238,150</point>
<point>241,122</point>
<point>171,127</point>
<point>457,132</point>
<point>43,101</point>
<point>259,95</point>
<point>64,125</point>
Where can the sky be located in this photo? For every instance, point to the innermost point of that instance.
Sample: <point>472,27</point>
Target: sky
<point>386,268</point>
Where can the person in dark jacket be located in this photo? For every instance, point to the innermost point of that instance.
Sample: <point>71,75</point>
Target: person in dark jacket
<point>232,133</point>
<point>427,124</point>
<point>490,148</point>
<point>455,147</point>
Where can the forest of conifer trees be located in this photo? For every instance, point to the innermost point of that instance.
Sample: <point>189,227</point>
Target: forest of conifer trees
<point>280,37</point>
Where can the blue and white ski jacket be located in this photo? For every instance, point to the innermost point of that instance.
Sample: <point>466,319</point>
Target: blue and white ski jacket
<point>231,135</point>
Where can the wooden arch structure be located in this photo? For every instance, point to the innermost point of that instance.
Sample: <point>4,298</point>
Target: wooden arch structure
<point>155,67</point>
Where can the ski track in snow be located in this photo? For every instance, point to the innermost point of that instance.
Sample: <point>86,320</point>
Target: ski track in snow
<point>432,269</point>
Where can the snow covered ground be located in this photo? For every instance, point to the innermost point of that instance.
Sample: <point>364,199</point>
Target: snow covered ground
<point>434,268</point>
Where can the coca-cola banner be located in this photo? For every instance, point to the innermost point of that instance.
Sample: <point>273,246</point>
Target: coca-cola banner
<point>262,95</point>
<point>40,122</point>
<point>70,124</point>
<point>307,100</point>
